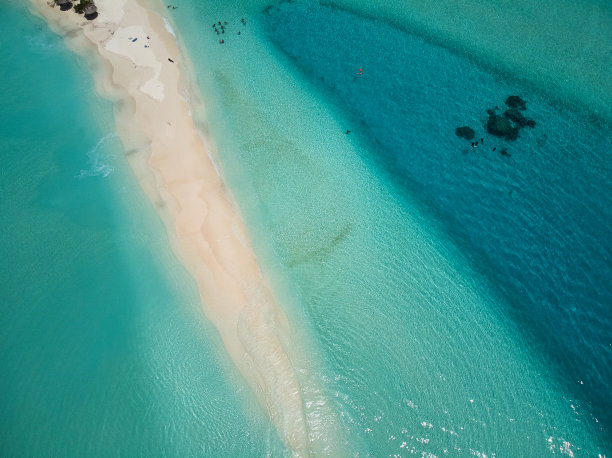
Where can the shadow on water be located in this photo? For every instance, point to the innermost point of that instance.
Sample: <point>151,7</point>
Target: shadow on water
<point>533,215</point>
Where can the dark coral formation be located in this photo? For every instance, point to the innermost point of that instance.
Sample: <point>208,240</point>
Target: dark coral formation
<point>506,125</point>
<point>500,126</point>
<point>509,125</point>
<point>465,132</point>
<point>516,117</point>
<point>514,101</point>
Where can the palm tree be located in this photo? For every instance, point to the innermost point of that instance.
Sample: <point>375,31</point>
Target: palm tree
<point>80,7</point>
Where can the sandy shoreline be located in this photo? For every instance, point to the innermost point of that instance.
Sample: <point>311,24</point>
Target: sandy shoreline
<point>172,163</point>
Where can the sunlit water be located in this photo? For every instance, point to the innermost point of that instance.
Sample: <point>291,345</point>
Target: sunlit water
<point>433,277</point>
<point>104,350</point>
<point>536,220</point>
<point>443,299</point>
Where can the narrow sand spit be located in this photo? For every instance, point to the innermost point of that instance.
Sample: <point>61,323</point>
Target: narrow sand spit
<point>138,67</point>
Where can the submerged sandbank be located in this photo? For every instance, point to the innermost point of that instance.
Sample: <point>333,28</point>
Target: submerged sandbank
<point>136,63</point>
<point>562,50</point>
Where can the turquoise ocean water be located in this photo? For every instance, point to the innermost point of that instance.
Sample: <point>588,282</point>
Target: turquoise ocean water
<point>444,300</point>
<point>104,348</point>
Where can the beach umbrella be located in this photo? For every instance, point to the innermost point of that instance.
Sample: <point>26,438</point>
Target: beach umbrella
<point>90,9</point>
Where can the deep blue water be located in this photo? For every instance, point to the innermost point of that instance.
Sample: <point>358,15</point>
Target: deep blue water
<point>536,223</point>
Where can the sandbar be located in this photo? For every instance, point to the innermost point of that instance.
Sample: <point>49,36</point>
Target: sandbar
<point>136,63</point>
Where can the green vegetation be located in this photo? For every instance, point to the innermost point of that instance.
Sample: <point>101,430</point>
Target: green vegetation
<point>79,7</point>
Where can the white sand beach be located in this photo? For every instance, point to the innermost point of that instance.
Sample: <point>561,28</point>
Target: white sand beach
<point>139,69</point>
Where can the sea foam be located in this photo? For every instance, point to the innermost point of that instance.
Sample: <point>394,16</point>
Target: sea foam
<point>99,159</point>
<point>169,27</point>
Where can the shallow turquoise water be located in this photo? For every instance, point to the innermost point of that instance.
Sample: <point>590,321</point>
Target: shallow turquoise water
<point>395,246</point>
<point>405,339</point>
<point>104,349</point>
<point>536,222</point>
